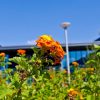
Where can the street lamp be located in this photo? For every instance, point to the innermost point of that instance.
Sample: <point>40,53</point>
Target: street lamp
<point>65,25</point>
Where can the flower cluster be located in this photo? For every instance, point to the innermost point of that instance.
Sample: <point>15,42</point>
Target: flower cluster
<point>44,41</point>
<point>21,52</point>
<point>72,93</point>
<point>47,43</point>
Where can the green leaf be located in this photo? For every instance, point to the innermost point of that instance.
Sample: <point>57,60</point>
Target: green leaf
<point>5,91</point>
<point>96,46</point>
<point>98,53</point>
<point>89,97</point>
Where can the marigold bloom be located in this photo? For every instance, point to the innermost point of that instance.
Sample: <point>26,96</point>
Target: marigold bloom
<point>72,92</point>
<point>75,64</point>
<point>44,40</point>
<point>46,37</point>
<point>47,43</point>
<point>2,54</point>
<point>21,52</point>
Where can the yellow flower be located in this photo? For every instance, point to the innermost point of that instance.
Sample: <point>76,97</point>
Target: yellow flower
<point>46,37</point>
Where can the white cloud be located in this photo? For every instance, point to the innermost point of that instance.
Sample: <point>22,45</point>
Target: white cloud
<point>31,42</point>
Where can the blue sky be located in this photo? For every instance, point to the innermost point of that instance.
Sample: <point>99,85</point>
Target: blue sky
<point>22,21</point>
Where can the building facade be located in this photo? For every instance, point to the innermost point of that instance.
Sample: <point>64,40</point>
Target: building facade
<point>77,52</point>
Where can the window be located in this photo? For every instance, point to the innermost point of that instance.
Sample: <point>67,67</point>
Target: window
<point>72,56</point>
<point>78,55</point>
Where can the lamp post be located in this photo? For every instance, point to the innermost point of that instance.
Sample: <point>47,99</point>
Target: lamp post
<point>65,25</point>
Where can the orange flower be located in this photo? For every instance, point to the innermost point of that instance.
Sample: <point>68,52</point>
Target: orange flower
<point>21,52</point>
<point>72,92</point>
<point>2,54</point>
<point>75,64</point>
<point>46,42</point>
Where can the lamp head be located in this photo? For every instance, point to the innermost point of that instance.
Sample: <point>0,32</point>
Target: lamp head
<point>64,25</point>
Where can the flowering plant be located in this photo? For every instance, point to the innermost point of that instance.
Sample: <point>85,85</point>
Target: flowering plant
<point>33,72</point>
<point>35,79</point>
<point>52,48</point>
